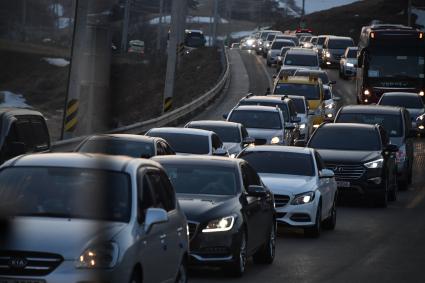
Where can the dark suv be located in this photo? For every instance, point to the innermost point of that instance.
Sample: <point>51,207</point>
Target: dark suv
<point>397,123</point>
<point>22,131</point>
<point>361,157</point>
<point>333,48</point>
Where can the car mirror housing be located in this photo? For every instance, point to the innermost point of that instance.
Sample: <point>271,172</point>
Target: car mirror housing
<point>155,216</point>
<point>326,173</point>
<point>256,191</point>
<point>225,115</point>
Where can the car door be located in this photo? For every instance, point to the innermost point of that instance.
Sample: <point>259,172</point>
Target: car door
<point>324,186</point>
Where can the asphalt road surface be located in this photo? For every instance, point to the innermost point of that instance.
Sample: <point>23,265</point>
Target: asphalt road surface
<point>368,244</point>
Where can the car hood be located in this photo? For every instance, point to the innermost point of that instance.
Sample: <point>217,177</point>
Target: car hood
<point>288,184</point>
<point>203,208</point>
<point>232,147</point>
<point>348,156</point>
<point>67,237</point>
<point>274,52</point>
<point>336,51</point>
<point>266,134</point>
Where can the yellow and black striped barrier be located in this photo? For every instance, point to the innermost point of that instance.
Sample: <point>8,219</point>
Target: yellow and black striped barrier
<point>168,104</point>
<point>71,115</point>
<point>180,49</point>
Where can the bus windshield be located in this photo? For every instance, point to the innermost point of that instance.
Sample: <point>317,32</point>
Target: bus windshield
<point>396,66</point>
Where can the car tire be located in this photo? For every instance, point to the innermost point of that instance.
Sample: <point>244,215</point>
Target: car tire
<point>182,274</point>
<point>237,267</point>
<point>267,253</point>
<point>136,277</point>
<point>330,222</point>
<point>314,232</point>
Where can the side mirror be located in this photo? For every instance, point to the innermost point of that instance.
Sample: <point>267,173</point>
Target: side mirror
<point>326,173</point>
<point>256,191</point>
<point>17,148</point>
<point>391,148</point>
<point>225,115</point>
<point>155,216</point>
<point>220,152</point>
<point>248,140</point>
<point>289,126</point>
<point>296,119</point>
<point>332,82</point>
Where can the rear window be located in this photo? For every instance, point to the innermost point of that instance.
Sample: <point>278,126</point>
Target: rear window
<point>310,92</point>
<point>322,75</point>
<point>257,119</point>
<point>299,105</point>
<point>413,102</point>
<point>226,134</point>
<point>272,162</point>
<point>271,37</point>
<point>340,43</point>
<point>282,106</point>
<point>280,44</point>
<point>392,123</point>
<point>321,40</point>
<point>118,147</point>
<point>301,60</point>
<point>352,53</point>
<point>185,143</point>
<point>349,138</point>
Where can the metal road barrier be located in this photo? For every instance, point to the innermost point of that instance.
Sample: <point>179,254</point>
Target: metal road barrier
<point>172,118</point>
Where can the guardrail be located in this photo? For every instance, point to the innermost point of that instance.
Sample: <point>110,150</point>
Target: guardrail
<point>171,118</point>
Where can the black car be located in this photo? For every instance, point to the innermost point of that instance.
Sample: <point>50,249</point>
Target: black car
<point>397,123</point>
<point>129,145</point>
<point>361,157</point>
<point>230,212</point>
<point>22,131</point>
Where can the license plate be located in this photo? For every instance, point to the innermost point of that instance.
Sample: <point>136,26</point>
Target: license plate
<point>18,280</point>
<point>343,184</point>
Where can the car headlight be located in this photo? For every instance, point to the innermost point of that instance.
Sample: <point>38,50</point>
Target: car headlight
<point>303,198</point>
<point>366,92</point>
<point>375,164</point>
<point>99,256</point>
<point>275,140</point>
<point>220,225</point>
<point>232,155</point>
<point>350,65</point>
<point>302,126</point>
<point>328,54</point>
<point>267,44</point>
<point>421,93</point>
<point>330,106</point>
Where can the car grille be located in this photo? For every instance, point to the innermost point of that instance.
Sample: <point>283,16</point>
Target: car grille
<point>193,227</point>
<point>28,263</point>
<point>281,200</point>
<point>260,141</point>
<point>347,172</point>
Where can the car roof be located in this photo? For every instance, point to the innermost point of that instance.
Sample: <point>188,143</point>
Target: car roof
<point>216,123</point>
<point>339,37</point>
<point>299,80</point>
<point>401,94</point>
<point>301,51</point>
<point>11,111</point>
<point>371,109</point>
<point>77,160</point>
<point>263,98</point>
<point>176,130</point>
<point>258,108</point>
<point>124,137</point>
<point>279,148</point>
<point>297,97</point>
<point>198,160</point>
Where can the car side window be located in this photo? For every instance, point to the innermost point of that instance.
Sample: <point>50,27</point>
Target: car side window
<point>160,149</point>
<point>319,161</point>
<point>24,131</point>
<point>41,134</point>
<point>145,198</point>
<point>384,136</point>
<point>292,109</point>
<point>245,174</point>
<point>162,191</point>
<point>252,176</point>
<point>407,122</point>
<point>244,132</point>
<point>216,142</point>
<point>168,148</point>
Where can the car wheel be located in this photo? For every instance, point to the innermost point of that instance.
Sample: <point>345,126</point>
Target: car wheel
<point>267,253</point>
<point>237,267</point>
<point>136,277</point>
<point>182,275</point>
<point>330,222</point>
<point>314,232</point>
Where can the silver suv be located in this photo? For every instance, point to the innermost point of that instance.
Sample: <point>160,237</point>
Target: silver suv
<point>90,218</point>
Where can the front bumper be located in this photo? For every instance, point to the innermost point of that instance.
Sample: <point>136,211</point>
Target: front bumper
<point>349,71</point>
<point>371,182</point>
<point>303,215</point>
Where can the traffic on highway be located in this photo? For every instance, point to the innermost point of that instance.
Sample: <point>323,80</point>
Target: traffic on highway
<point>312,173</point>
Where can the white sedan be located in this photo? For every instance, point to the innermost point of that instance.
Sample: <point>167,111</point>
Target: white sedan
<point>304,191</point>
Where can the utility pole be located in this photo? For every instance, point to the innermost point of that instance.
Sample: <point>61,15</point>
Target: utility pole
<point>24,19</point>
<point>302,24</point>
<point>124,37</point>
<point>171,56</point>
<point>409,13</point>
<point>160,26</point>
<point>216,19</point>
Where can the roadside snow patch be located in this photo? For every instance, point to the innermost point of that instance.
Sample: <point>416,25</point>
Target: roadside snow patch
<point>58,62</point>
<point>421,17</point>
<point>10,99</point>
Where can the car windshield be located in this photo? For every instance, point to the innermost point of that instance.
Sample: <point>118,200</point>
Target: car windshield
<point>301,60</point>
<point>257,119</point>
<point>398,66</point>
<point>185,143</point>
<point>279,44</point>
<point>226,134</point>
<point>281,105</point>
<point>271,37</point>
<point>299,105</point>
<point>349,138</point>
<point>194,39</point>
<point>309,91</point>
<point>313,40</point>
<point>202,179</point>
<point>352,53</point>
<point>321,75</point>
<point>392,123</point>
<point>113,146</point>
<point>284,50</point>
<point>340,43</point>
<point>66,193</point>
<point>293,39</point>
<point>264,35</point>
<point>321,40</point>
<point>274,162</point>
<point>413,102</point>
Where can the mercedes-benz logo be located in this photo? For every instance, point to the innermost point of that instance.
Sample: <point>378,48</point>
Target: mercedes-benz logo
<point>18,263</point>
